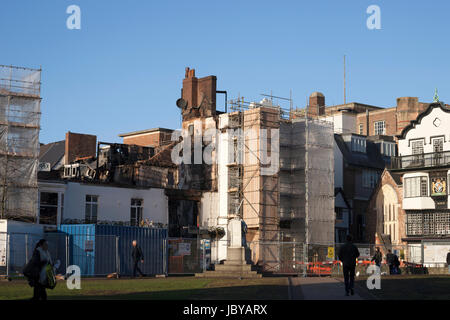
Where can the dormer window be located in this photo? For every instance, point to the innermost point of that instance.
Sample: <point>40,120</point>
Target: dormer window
<point>358,144</point>
<point>387,149</point>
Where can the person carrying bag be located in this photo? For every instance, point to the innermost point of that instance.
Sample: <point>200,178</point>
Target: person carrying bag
<point>39,271</point>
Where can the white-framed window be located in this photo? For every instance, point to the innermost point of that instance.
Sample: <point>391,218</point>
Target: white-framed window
<point>380,127</point>
<point>358,144</point>
<point>416,187</point>
<point>387,149</point>
<point>136,211</point>
<point>361,128</point>
<point>91,210</point>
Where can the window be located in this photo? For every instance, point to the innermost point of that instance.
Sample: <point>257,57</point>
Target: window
<point>387,149</point>
<point>48,208</point>
<point>91,209</point>
<point>380,127</point>
<point>428,223</point>
<point>136,212</point>
<point>370,178</point>
<point>416,187</point>
<point>361,128</point>
<point>417,147</point>
<point>438,144</point>
<point>358,144</point>
<point>339,215</point>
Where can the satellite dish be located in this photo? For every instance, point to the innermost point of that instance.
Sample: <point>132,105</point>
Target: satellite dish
<point>181,103</point>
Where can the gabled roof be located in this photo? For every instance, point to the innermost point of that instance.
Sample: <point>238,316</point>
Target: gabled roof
<point>419,118</point>
<point>52,152</point>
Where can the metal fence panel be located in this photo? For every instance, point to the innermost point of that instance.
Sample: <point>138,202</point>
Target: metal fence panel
<point>186,256</point>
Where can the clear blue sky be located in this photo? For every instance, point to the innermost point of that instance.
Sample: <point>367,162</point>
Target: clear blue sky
<point>123,70</point>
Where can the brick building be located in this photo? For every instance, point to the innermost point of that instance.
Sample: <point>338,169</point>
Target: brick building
<point>155,137</point>
<point>369,120</point>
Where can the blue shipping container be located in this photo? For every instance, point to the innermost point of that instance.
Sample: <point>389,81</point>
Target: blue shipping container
<point>93,248</point>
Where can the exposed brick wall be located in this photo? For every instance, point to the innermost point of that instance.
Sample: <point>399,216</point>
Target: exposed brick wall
<point>152,139</point>
<point>387,115</point>
<point>79,145</point>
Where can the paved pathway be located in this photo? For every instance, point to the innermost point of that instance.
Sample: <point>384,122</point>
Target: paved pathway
<point>319,288</point>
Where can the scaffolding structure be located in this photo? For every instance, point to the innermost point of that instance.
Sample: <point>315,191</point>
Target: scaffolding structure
<point>295,205</point>
<point>19,141</point>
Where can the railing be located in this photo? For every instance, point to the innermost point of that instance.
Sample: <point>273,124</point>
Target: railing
<point>434,159</point>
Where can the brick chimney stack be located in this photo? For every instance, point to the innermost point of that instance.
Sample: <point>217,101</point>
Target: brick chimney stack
<point>316,104</point>
<point>200,95</point>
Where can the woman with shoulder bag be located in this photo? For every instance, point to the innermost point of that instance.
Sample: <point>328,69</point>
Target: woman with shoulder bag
<point>39,271</point>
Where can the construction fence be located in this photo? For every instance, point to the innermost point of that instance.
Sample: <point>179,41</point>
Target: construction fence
<point>294,258</point>
<point>103,255</point>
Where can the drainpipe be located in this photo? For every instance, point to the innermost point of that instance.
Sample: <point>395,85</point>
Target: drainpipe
<point>367,122</point>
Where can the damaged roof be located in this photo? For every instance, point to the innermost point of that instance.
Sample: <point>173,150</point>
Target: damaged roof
<point>163,158</point>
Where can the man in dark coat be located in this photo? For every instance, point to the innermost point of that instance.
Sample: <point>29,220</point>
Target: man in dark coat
<point>348,255</point>
<point>34,270</point>
<point>390,261</point>
<point>137,256</point>
<point>377,257</point>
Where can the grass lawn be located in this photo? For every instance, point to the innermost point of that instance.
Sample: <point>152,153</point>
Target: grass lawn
<point>190,288</point>
<point>410,287</point>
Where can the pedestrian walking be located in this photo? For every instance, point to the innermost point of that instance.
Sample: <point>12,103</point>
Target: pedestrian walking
<point>377,257</point>
<point>39,271</point>
<point>448,261</point>
<point>395,264</point>
<point>390,261</point>
<point>137,256</point>
<point>348,255</point>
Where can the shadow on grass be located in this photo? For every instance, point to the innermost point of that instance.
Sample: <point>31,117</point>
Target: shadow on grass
<point>424,287</point>
<point>259,292</point>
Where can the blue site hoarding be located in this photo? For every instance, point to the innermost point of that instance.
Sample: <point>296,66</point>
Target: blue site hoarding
<point>104,249</point>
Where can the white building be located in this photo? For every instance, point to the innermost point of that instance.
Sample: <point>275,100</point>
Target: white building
<point>67,201</point>
<point>424,162</point>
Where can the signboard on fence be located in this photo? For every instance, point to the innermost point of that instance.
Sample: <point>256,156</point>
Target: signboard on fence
<point>435,252</point>
<point>89,245</point>
<point>364,253</point>
<point>184,249</point>
<point>330,253</point>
